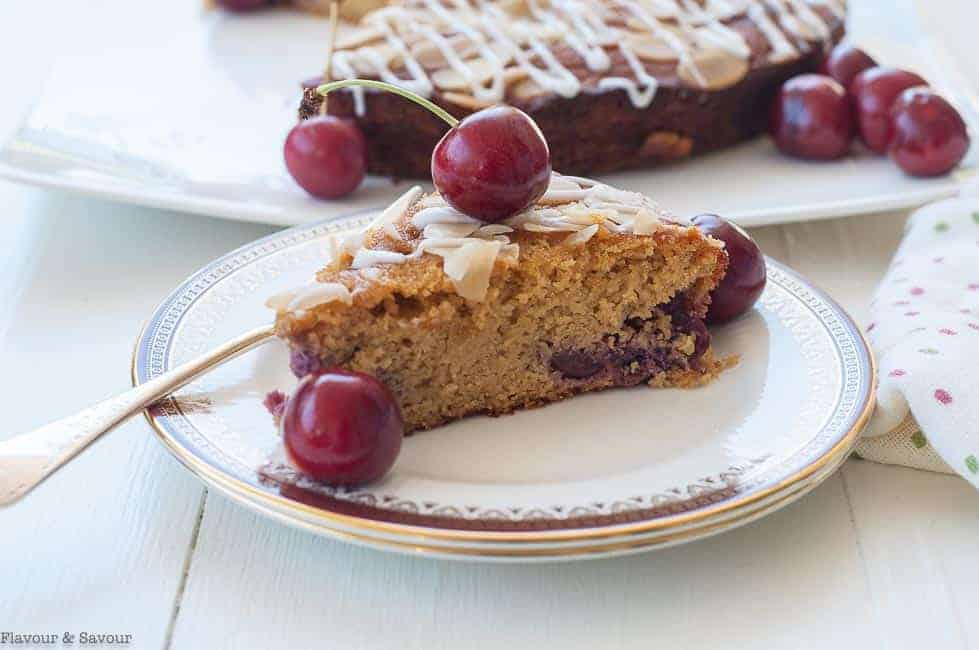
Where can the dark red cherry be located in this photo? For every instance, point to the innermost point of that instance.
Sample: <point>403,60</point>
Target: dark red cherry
<point>874,91</point>
<point>494,164</point>
<point>746,274</point>
<point>812,118</point>
<point>242,5</point>
<point>327,156</point>
<point>845,62</point>
<point>928,136</point>
<point>342,428</point>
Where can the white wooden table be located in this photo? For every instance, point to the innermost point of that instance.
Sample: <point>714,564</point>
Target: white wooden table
<point>125,541</point>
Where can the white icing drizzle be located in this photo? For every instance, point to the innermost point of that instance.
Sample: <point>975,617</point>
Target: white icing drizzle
<point>782,49</point>
<point>639,98</point>
<point>482,46</point>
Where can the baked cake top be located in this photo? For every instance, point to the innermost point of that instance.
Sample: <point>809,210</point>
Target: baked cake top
<point>475,53</point>
<point>420,244</point>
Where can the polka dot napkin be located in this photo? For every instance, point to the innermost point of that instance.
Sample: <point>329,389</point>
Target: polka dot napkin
<point>925,333</point>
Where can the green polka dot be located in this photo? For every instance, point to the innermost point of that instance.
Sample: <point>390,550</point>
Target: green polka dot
<point>928,351</point>
<point>918,440</point>
<point>975,217</point>
<point>941,226</point>
<point>973,464</point>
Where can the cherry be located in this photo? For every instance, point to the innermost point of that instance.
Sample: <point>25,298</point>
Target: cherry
<point>327,156</point>
<point>812,118</point>
<point>746,274</point>
<point>874,91</point>
<point>491,165</point>
<point>494,164</point>
<point>342,427</point>
<point>845,62</point>
<point>928,136</point>
<point>242,5</point>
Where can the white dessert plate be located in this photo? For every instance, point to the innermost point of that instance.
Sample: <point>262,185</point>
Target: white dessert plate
<point>188,110</point>
<point>605,473</point>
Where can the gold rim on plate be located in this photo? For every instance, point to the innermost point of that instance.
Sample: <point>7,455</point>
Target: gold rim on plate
<point>365,529</point>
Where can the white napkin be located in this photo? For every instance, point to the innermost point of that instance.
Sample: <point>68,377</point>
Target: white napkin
<point>925,334</point>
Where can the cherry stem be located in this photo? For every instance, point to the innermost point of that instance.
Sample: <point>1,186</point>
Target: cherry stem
<point>334,21</point>
<point>325,89</point>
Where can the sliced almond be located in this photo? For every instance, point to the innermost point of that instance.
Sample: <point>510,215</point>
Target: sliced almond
<point>526,90</point>
<point>466,101</point>
<point>514,74</point>
<point>470,266</point>
<point>581,237</point>
<point>314,295</point>
<point>429,55</point>
<point>452,79</point>
<point>437,230</point>
<point>713,69</point>
<point>351,37</point>
<point>515,8</point>
<point>725,9</point>
<point>494,229</point>
<point>363,63</point>
<point>651,48</point>
<point>354,10</point>
<point>658,9</point>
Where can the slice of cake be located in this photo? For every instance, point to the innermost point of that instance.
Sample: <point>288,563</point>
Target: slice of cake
<point>591,288</point>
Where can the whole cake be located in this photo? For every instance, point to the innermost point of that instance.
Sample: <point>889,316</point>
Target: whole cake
<point>612,84</point>
<point>590,288</point>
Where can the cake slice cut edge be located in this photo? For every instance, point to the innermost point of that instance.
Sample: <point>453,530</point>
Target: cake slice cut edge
<point>592,288</point>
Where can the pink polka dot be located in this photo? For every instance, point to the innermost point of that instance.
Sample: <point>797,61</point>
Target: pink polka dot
<point>974,286</point>
<point>896,373</point>
<point>947,332</point>
<point>938,260</point>
<point>974,326</point>
<point>899,303</point>
<point>943,396</point>
<point>911,313</point>
<point>870,328</point>
<point>917,291</point>
<point>965,310</point>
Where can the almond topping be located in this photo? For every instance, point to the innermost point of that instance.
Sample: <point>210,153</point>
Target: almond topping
<point>451,79</point>
<point>712,69</point>
<point>650,48</point>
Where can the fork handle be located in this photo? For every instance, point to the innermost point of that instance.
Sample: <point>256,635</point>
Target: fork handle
<point>26,460</point>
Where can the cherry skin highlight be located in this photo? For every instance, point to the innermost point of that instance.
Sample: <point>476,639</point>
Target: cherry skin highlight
<point>493,164</point>
<point>845,62</point>
<point>327,156</point>
<point>928,136</point>
<point>342,427</point>
<point>746,274</point>
<point>873,92</point>
<point>812,118</point>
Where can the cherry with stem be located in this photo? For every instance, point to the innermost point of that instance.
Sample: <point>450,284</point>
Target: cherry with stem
<point>491,165</point>
<point>327,155</point>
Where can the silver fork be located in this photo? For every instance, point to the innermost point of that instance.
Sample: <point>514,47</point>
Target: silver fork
<point>26,460</point>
